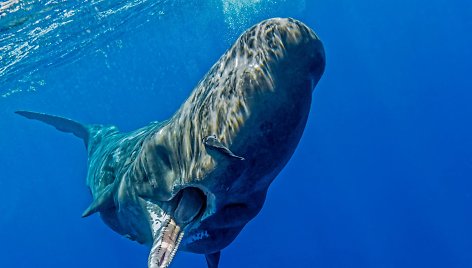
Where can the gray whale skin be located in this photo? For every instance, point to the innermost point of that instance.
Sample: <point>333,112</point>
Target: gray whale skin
<point>194,181</point>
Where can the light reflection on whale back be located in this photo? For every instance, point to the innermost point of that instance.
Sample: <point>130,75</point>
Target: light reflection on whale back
<point>223,101</point>
<point>256,101</point>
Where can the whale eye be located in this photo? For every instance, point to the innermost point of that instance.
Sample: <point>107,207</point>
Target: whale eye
<point>266,127</point>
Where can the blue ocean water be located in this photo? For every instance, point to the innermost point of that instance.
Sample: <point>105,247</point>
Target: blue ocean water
<point>381,177</point>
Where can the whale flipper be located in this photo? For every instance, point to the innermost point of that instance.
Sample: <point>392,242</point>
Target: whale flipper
<point>60,123</point>
<point>213,259</point>
<point>212,143</point>
<point>104,200</point>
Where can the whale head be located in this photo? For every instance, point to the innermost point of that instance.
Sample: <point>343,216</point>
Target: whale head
<point>235,132</point>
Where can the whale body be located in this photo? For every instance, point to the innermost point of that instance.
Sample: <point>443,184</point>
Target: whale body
<point>194,181</point>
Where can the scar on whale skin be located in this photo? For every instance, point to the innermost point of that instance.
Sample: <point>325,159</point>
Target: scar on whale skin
<point>194,181</point>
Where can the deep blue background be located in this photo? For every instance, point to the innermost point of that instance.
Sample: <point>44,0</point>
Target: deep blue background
<point>381,178</point>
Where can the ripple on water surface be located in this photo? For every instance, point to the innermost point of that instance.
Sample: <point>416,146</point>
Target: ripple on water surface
<point>35,34</point>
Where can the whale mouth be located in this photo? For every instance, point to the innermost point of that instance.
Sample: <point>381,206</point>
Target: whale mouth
<point>191,203</point>
<point>169,221</point>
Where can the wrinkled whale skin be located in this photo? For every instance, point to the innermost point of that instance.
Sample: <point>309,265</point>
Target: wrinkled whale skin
<point>198,178</point>
<point>256,99</point>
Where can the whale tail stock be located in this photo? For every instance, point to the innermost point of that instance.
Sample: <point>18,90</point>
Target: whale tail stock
<point>61,124</point>
<point>88,133</point>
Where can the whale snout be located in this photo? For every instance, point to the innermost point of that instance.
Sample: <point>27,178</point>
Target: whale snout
<point>293,48</point>
<point>280,49</point>
<point>285,33</point>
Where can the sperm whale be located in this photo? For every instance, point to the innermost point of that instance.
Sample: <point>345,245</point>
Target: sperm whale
<point>194,181</point>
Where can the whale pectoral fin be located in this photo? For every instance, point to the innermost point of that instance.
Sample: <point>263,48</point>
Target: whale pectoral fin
<point>213,259</point>
<point>213,144</point>
<point>104,200</point>
<point>165,245</point>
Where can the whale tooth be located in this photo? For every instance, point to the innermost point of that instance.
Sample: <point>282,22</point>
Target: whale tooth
<point>166,235</point>
<point>168,221</point>
<point>165,244</point>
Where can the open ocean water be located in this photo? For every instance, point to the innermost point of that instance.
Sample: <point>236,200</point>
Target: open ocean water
<point>382,177</point>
